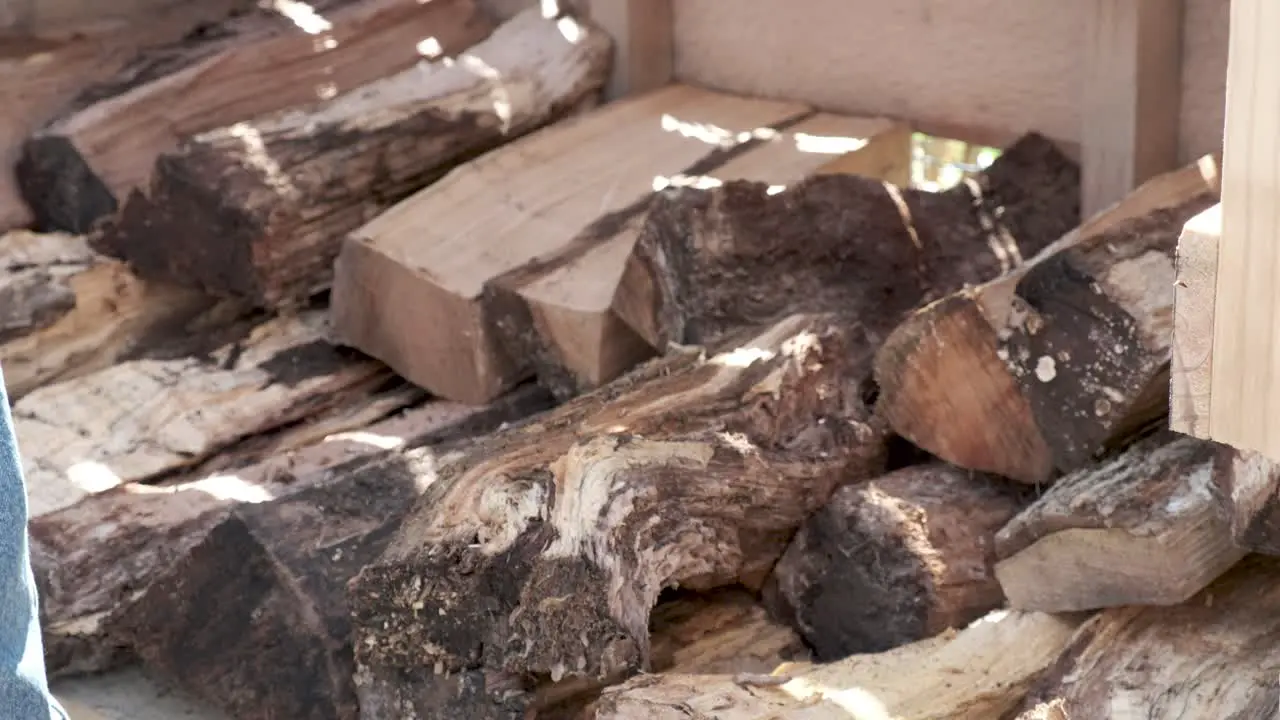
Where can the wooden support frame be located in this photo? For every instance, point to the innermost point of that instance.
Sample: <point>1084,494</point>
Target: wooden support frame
<point>1132,91</point>
<point>644,51</point>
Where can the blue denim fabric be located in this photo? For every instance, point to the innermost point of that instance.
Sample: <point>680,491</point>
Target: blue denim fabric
<point>24,691</point>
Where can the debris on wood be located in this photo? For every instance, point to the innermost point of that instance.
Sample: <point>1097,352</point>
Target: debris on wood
<point>1193,302</point>
<point>557,311</point>
<point>1248,488</point>
<point>895,560</point>
<point>140,530</point>
<point>979,673</point>
<point>1039,371</point>
<point>258,209</point>
<point>66,311</point>
<point>150,416</point>
<point>274,56</point>
<point>1214,656</point>
<point>742,254</point>
<point>409,286</point>
<point>1143,528</point>
<point>690,472</point>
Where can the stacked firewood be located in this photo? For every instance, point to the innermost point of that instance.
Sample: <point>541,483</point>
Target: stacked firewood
<point>371,371</point>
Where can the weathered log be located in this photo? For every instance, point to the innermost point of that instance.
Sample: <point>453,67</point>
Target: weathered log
<point>1143,528</point>
<point>258,209</point>
<point>557,311</point>
<point>409,286</point>
<point>895,560</point>
<point>743,253</point>
<point>980,673</point>
<point>158,414</point>
<point>66,311</point>
<point>1214,656</point>
<point>1191,371</point>
<point>93,558</point>
<point>272,57</point>
<point>1039,371</point>
<point>539,554</point>
<point>1248,489</point>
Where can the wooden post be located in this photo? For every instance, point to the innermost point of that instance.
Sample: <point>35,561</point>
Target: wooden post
<point>643,57</point>
<point>1132,90</point>
<point>1244,403</point>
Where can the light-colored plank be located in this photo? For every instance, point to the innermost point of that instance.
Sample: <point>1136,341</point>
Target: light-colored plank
<point>1190,375</point>
<point>1244,407</point>
<point>643,45</point>
<point>1131,95</point>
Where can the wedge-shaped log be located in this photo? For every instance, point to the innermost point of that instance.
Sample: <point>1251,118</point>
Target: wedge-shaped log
<point>540,553</point>
<point>93,559</point>
<point>409,286</point>
<point>158,414</point>
<point>980,673</point>
<point>712,260</point>
<point>66,311</point>
<point>1039,371</point>
<point>557,310</point>
<point>1143,528</point>
<point>1211,657</point>
<point>895,560</point>
<point>273,57</point>
<point>258,209</point>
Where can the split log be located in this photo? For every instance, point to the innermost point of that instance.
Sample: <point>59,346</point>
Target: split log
<point>1248,487</point>
<point>259,209</point>
<point>66,311</point>
<point>979,673</point>
<point>896,560</point>
<point>1191,374</point>
<point>147,417</point>
<point>741,254</point>
<point>408,287</point>
<point>539,554</point>
<point>557,311</point>
<point>93,559</point>
<point>1214,656</point>
<point>270,58</point>
<point>1143,528</point>
<point>39,76</point>
<point>1039,371</point>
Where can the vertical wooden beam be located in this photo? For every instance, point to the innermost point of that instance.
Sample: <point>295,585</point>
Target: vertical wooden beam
<point>643,57</point>
<point>1131,96</point>
<point>1244,407</point>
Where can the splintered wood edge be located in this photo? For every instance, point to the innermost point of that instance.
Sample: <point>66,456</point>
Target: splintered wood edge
<point>1191,372</point>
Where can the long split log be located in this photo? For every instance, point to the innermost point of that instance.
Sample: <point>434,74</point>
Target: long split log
<point>67,311</point>
<point>539,554</point>
<point>1214,656</point>
<point>899,559</point>
<point>259,209</point>
<point>1039,371</point>
<point>94,558</point>
<point>979,673</point>
<point>272,57</point>
<point>741,254</point>
<point>155,415</point>
<point>409,286</point>
<point>557,311</point>
<point>1143,528</point>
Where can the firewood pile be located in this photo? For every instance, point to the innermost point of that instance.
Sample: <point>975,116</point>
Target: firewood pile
<point>378,371</point>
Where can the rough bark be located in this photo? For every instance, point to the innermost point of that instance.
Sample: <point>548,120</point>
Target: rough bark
<point>557,312</point>
<point>409,287</point>
<point>66,311</point>
<point>271,57</point>
<point>979,673</point>
<point>93,559</point>
<point>1041,370</point>
<point>1247,486</point>
<point>1143,528</point>
<point>259,209</point>
<point>151,416</point>
<point>1214,656</point>
<point>539,554</point>
<point>742,254</point>
<point>895,560</point>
